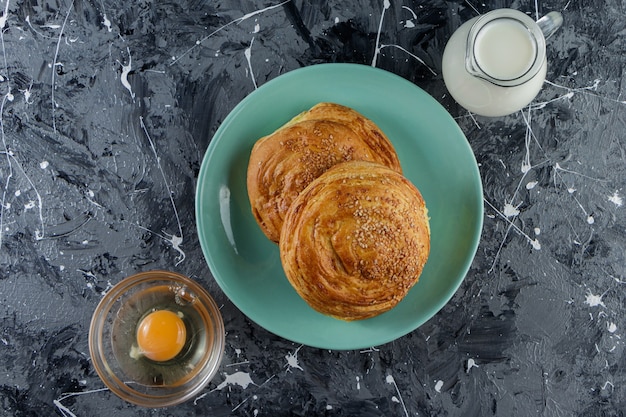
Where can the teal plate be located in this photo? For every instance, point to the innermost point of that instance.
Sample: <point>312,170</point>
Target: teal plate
<point>434,154</point>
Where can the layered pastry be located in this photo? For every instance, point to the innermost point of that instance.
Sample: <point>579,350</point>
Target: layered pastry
<point>283,163</point>
<point>355,240</point>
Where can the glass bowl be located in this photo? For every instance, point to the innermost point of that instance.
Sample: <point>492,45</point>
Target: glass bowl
<point>113,339</point>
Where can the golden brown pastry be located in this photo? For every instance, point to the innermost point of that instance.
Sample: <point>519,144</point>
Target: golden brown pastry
<point>355,240</point>
<point>367,130</point>
<point>283,163</point>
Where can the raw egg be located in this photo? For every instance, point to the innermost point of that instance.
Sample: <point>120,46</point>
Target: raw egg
<point>161,335</point>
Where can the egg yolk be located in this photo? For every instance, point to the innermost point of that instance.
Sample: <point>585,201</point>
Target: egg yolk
<point>161,335</point>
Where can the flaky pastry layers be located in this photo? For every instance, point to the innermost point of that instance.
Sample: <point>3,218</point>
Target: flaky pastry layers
<point>355,240</point>
<point>283,163</point>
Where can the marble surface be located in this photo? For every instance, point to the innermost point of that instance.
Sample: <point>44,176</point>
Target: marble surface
<point>107,108</point>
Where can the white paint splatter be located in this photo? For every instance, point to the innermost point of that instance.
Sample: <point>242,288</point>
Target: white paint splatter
<point>593,300</point>
<point>257,28</point>
<point>611,327</point>
<point>537,231</point>
<point>378,46</point>
<point>248,54</point>
<point>410,11</point>
<point>370,350</point>
<point>510,210</point>
<point>106,22</point>
<point>232,22</point>
<point>534,242</point>
<point>125,71</point>
<point>585,90</point>
<point>30,25</point>
<point>358,383</point>
<point>238,378</point>
<point>572,190</point>
<point>531,184</point>
<point>27,93</point>
<point>336,20</point>
<point>412,55</point>
<point>438,386</point>
<point>616,199</point>
<point>55,63</point>
<point>5,16</point>
<point>292,360</point>
<point>541,105</point>
<point>44,164</point>
<point>409,24</point>
<point>175,240</point>
<point>390,380</point>
<point>240,404</point>
<point>608,384</point>
<point>66,412</point>
<point>471,363</point>
<point>529,134</point>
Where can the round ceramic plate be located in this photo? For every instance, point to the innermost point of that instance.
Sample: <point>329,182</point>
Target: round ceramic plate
<point>434,154</point>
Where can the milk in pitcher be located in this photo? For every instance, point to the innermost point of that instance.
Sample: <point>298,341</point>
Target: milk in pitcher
<point>507,65</point>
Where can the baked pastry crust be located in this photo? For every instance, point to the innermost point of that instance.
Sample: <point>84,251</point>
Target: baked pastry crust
<point>367,130</point>
<point>283,163</point>
<point>355,240</point>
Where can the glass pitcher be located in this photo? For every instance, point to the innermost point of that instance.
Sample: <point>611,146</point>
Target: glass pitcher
<point>495,64</point>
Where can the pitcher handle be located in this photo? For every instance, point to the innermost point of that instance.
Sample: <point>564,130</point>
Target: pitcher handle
<point>550,23</point>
